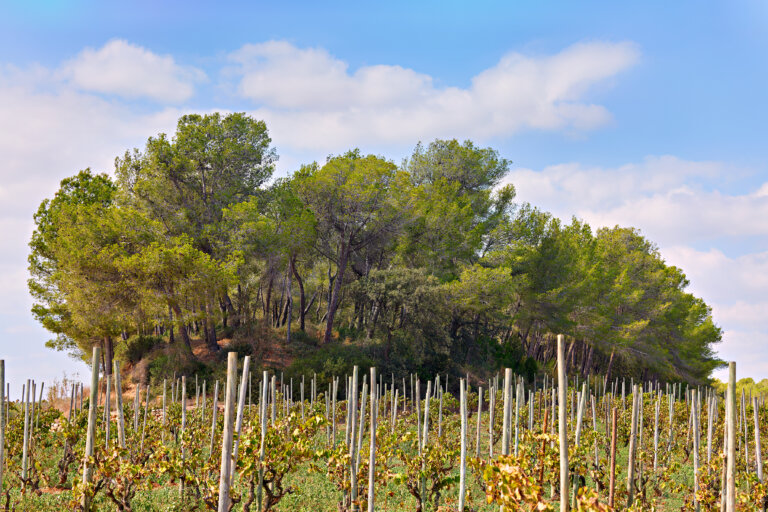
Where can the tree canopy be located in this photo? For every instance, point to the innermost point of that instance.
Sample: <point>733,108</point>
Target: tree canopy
<point>431,264</point>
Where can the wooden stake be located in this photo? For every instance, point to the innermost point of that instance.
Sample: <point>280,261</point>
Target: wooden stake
<point>543,448</point>
<point>518,397</point>
<point>144,425</point>
<point>632,447</point>
<point>479,415</point>
<point>507,410</point>
<point>372,451</point>
<point>25,440</point>
<point>491,408</point>
<point>3,419</point>
<point>107,413</point>
<point>226,441</point>
<point>352,406</point>
<point>656,435</point>
<point>183,397</point>
<point>359,445</point>
<point>119,406</point>
<point>262,447</point>
<point>562,422</point>
<point>696,442</point>
<point>731,418</point>
<point>214,413</point>
<point>333,411</point>
<point>463,461</point>
<point>91,432</point>
<point>612,481</point>
<point>439,391</point>
<point>136,399</point>
<point>240,411</point>
<point>758,450</point>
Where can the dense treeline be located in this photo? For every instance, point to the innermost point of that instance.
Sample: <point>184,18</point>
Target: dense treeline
<point>431,264</point>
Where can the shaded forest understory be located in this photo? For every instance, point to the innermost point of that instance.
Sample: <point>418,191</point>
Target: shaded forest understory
<point>428,266</point>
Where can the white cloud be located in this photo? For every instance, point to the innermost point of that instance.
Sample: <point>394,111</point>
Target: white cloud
<point>132,71</point>
<point>48,135</point>
<point>749,348</point>
<point>280,75</point>
<point>672,201</point>
<point>49,131</point>
<point>727,282</point>
<point>752,315</point>
<point>310,99</point>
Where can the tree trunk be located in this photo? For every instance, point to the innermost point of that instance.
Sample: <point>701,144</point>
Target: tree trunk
<point>259,300</point>
<point>182,327</point>
<point>302,297</point>
<point>224,316</point>
<point>212,337</point>
<point>390,328</point>
<point>610,365</point>
<point>267,299</point>
<point>210,328</point>
<point>568,355</point>
<point>170,325</point>
<point>311,301</point>
<point>206,332</point>
<point>230,309</point>
<point>108,355</point>
<point>236,321</point>
<point>279,307</point>
<point>372,329</point>
<point>587,368</point>
<point>333,303</point>
<point>290,303</point>
<point>319,306</point>
<point>524,336</point>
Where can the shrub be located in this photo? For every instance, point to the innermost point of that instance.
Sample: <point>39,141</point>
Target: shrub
<point>241,347</point>
<point>335,359</point>
<point>176,361</point>
<point>227,332</point>
<point>299,337</point>
<point>136,347</point>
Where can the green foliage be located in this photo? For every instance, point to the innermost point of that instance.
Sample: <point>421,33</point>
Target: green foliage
<point>50,306</point>
<point>748,386</point>
<point>186,182</point>
<point>330,360</point>
<point>241,347</point>
<point>136,347</point>
<point>456,204</point>
<point>426,267</point>
<point>173,363</point>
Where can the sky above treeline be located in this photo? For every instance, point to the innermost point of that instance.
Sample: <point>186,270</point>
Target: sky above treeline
<point>646,114</point>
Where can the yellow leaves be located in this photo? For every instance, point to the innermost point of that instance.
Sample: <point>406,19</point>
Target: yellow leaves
<point>509,485</point>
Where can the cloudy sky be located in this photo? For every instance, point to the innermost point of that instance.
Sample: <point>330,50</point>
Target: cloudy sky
<point>648,114</point>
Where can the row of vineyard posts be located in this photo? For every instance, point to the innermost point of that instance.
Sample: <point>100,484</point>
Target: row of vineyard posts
<point>374,412</point>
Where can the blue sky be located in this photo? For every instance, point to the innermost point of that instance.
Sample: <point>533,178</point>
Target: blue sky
<point>649,114</point>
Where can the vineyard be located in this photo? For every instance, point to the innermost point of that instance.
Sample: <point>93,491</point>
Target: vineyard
<point>372,442</point>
